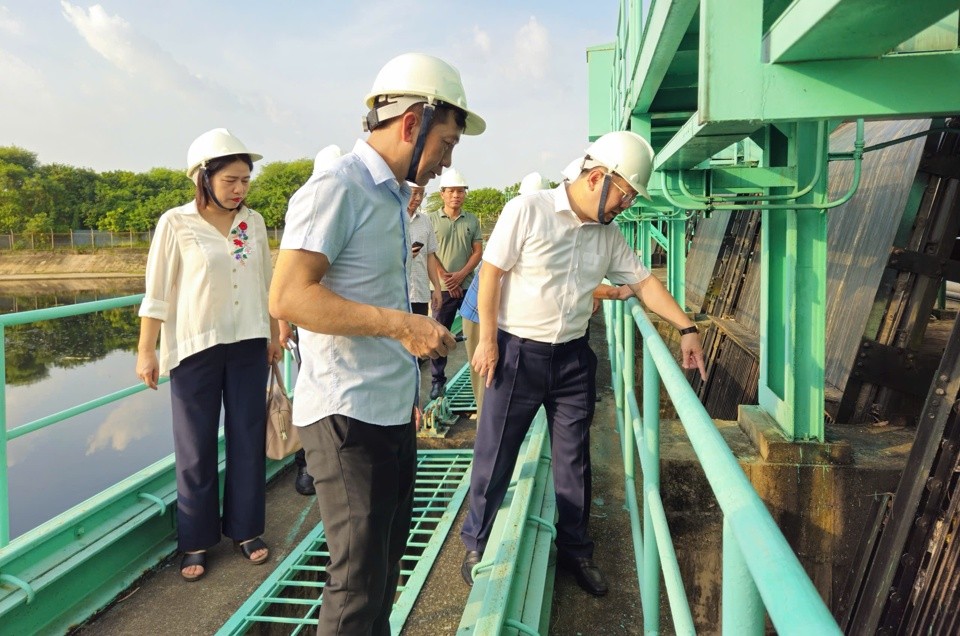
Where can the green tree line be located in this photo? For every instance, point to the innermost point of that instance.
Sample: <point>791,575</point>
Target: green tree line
<point>55,197</point>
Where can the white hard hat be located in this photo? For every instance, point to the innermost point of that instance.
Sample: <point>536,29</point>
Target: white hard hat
<point>218,142</point>
<point>626,154</point>
<point>413,185</point>
<point>573,169</point>
<point>452,178</point>
<point>533,182</point>
<point>423,78</point>
<point>326,158</point>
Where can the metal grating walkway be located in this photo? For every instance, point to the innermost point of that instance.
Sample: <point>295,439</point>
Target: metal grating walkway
<point>459,392</point>
<point>288,601</point>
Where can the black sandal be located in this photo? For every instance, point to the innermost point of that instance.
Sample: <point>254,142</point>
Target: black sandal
<point>247,548</point>
<point>191,559</point>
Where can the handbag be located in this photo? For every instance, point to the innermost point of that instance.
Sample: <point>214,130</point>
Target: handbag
<point>282,437</point>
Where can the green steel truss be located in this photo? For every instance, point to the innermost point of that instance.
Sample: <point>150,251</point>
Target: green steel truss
<point>767,79</point>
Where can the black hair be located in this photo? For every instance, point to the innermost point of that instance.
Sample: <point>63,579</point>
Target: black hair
<point>213,166</point>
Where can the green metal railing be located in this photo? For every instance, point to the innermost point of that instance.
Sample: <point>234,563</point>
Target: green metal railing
<point>760,570</point>
<point>58,574</point>
<point>513,584</point>
<point>38,315</point>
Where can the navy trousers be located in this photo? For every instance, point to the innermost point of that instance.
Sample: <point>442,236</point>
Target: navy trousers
<point>364,474</point>
<point>445,315</point>
<point>561,378</point>
<point>235,375</point>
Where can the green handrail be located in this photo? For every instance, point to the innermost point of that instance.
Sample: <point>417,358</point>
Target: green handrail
<point>760,569</point>
<point>23,318</point>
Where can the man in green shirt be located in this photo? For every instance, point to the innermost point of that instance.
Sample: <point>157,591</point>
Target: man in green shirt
<point>459,249</point>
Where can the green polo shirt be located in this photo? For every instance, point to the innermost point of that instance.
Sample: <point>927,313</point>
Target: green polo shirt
<point>455,239</point>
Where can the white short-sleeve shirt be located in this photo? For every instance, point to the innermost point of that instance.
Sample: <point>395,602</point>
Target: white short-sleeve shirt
<point>206,289</point>
<point>553,262</point>
<point>355,214</point>
<point>421,230</point>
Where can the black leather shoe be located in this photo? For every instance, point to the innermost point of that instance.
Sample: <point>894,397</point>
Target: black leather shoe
<point>588,575</point>
<point>436,390</point>
<point>470,559</point>
<point>304,482</point>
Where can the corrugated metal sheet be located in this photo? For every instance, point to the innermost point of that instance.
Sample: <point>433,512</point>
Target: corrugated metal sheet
<point>861,233</point>
<point>703,256</point>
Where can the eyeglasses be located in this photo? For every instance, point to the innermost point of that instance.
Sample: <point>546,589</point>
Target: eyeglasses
<point>627,199</point>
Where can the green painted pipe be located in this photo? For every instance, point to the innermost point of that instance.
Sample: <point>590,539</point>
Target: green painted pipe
<point>856,156</point>
<point>818,173</point>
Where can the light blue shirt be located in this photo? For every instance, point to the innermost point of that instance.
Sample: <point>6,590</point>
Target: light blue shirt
<point>355,214</point>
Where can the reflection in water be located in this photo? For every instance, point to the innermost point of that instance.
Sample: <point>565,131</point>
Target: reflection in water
<point>127,423</point>
<point>33,348</point>
<point>55,365</point>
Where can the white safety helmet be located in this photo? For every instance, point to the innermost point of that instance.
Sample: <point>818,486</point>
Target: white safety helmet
<point>452,178</point>
<point>412,78</point>
<point>532,183</point>
<point>326,158</point>
<point>218,142</point>
<point>626,154</point>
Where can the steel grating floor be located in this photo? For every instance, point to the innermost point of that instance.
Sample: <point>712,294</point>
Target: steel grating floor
<point>459,392</point>
<point>288,601</point>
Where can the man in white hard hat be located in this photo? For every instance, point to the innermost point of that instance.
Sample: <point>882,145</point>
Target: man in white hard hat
<point>341,277</point>
<point>533,182</point>
<point>423,253</point>
<point>303,482</point>
<point>542,263</point>
<point>459,249</point>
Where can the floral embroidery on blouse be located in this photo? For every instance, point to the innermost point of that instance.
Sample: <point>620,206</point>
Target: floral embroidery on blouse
<point>240,243</point>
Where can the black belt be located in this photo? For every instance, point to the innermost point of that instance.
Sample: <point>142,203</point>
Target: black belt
<point>569,344</point>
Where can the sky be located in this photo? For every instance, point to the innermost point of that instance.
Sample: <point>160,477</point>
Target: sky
<point>127,85</point>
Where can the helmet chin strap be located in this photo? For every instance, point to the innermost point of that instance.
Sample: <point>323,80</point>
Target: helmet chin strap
<point>604,191</point>
<point>428,110</point>
<point>209,189</point>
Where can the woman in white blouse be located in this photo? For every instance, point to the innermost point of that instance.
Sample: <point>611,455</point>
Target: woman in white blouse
<point>208,273</point>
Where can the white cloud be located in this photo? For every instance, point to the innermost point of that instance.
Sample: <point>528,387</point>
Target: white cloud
<point>482,39</point>
<point>18,77</point>
<point>532,50</point>
<point>153,68</point>
<point>119,43</point>
<point>9,24</point>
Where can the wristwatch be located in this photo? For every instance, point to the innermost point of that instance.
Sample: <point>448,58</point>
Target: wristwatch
<point>690,329</point>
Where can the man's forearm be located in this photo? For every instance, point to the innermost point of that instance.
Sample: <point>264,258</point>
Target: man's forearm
<point>657,299</point>
<point>488,301</point>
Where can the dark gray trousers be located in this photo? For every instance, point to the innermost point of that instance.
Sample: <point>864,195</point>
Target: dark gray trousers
<point>364,474</point>
<point>235,375</point>
<point>445,316</point>
<point>561,378</point>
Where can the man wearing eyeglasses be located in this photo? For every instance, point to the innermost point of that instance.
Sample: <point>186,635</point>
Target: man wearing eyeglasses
<point>546,255</point>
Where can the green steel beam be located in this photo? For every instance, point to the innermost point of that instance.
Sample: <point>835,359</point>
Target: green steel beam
<point>838,29</point>
<point>738,92</point>
<point>737,86</point>
<point>600,90</point>
<point>738,179</point>
<point>677,261</point>
<point>793,298</point>
<point>696,142</point>
<point>666,26</point>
